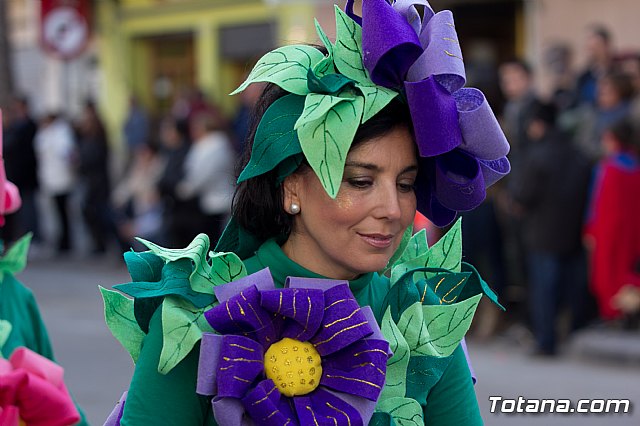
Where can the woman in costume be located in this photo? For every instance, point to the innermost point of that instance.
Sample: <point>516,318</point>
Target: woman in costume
<point>318,306</point>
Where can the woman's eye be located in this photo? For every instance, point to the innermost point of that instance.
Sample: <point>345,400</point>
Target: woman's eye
<point>359,183</point>
<point>406,187</point>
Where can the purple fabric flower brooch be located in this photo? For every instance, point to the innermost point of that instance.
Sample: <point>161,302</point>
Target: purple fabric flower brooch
<point>462,148</point>
<point>301,355</point>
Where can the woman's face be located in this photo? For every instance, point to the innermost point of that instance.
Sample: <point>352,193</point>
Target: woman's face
<point>359,231</point>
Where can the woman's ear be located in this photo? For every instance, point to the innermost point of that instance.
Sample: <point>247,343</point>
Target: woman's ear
<point>291,187</point>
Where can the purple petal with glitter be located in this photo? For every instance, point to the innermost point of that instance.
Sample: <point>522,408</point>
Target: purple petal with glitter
<point>267,406</point>
<point>261,279</point>
<point>242,314</point>
<point>459,181</point>
<point>229,412</point>
<point>377,334</point>
<point>494,170</point>
<point>321,405</point>
<point>304,306</point>
<point>348,8</point>
<point>389,44</point>
<point>435,117</point>
<point>442,56</point>
<point>481,132</point>
<point>343,322</point>
<point>116,415</point>
<point>468,358</point>
<point>241,362</point>
<point>364,407</point>
<point>358,369</point>
<point>407,9</point>
<point>208,364</point>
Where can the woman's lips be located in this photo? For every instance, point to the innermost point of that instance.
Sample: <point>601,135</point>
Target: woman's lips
<point>380,241</point>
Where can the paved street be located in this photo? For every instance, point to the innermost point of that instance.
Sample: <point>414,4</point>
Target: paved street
<point>98,369</point>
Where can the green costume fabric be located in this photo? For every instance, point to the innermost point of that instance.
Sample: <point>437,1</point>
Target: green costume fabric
<point>18,307</point>
<point>171,399</point>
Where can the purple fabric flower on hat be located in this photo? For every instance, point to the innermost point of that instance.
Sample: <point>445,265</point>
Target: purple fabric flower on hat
<point>303,354</point>
<point>462,148</point>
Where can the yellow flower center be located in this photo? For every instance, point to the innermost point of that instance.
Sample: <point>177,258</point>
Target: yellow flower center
<point>295,367</point>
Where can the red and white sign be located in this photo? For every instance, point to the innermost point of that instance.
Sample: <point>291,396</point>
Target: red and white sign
<point>64,27</point>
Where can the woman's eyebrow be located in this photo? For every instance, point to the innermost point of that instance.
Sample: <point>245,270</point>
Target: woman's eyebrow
<point>374,167</point>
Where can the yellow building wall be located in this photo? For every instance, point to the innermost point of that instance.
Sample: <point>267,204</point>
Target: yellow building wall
<point>125,59</point>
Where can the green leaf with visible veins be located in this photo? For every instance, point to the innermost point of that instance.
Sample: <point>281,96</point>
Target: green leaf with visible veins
<point>347,52</point>
<point>317,105</point>
<point>326,142</point>
<point>182,327</point>
<point>404,411</point>
<point>325,66</point>
<point>375,98</point>
<point>119,316</point>
<point>395,380</point>
<point>287,67</point>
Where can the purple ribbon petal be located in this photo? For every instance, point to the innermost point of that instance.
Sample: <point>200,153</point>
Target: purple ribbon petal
<point>494,170</point>
<point>242,314</point>
<point>427,203</point>
<point>241,361</point>
<point>318,283</point>
<point>266,405</point>
<point>358,370</point>
<point>364,407</point>
<point>320,406</point>
<point>481,132</point>
<point>407,9</point>
<point>261,279</point>
<point>442,56</point>
<point>468,358</point>
<point>389,44</point>
<point>343,322</point>
<point>116,415</point>
<point>229,412</point>
<point>435,117</point>
<point>305,306</point>
<point>459,181</point>
<point>208,364</point>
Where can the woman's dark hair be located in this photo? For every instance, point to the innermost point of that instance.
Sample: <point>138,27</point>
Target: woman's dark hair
<point>258,202</point>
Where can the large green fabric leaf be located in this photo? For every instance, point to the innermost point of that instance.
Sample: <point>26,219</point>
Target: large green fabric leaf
<point>347,53</point>
<point>182,327</point>
<point>404,243</point>
<point>286,66</point>
<point>144,266</point>
<point>174,281</point>
<point>375,98</point>
<point>395,380</point>
<point>226,267</point>
<point>326,65</point>
<point>317,105</point>
<point>477,285</point>
<point>15,259</point>
<point>404,411</point>
<point>442,289</point>
<point>119,316</point>
<point>275,137</point>
<point>436,330</point>
<point>5,331</point>
<point>326,141</point>
<point>445,254</point>
<point>423,373</point>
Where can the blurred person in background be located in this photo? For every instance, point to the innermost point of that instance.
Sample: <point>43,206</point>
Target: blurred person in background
<point>136,199</point>
<point>176,213</point>
<point>240,123</point>
<point>599,51</point>
<point>55,149</point>
<point>22,169</point>
<point>552,192</point>
<point>614,94</point>
<point>558,60</point>
<point>208,176</point>
<point>612,231</point>
<point>93,171</point>
<point>630,66</point>
<point>136,129</point>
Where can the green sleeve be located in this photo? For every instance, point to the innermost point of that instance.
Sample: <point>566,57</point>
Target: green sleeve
<point>170,399</point>
<point>452,401</point>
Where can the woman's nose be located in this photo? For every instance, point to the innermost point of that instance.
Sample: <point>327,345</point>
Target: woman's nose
<point>389,203</point>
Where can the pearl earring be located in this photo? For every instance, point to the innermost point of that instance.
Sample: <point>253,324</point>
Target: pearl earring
<point>294,208</point>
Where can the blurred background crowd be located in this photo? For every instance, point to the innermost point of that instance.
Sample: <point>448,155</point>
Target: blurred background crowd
<point>126,130</point>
